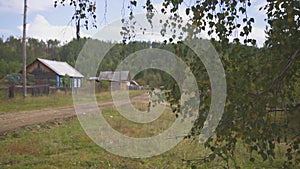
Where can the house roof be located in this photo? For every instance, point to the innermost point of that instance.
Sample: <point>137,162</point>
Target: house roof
<point>61,68</point>
<point>114,76</point>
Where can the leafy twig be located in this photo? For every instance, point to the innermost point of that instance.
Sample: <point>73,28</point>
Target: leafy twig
<point>282,74</point>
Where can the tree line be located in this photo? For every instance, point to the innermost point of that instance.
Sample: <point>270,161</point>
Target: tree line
<point>11,52</point>
<point>11,56</point>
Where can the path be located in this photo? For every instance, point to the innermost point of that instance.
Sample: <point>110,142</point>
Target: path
<point>14,120</point>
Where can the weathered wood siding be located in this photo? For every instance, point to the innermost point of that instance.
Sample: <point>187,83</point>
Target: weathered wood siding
<point>42,74</point>
<point>123,85</point>
<point>120,85</point>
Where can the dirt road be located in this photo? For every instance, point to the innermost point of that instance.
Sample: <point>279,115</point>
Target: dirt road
<point>14,120</point>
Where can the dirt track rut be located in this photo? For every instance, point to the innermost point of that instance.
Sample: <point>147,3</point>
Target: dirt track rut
<point>13,120</point>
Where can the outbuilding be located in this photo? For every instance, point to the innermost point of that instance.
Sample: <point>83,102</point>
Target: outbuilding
<point>118,79</point>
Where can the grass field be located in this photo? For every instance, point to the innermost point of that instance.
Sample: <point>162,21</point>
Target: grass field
<point>64,144</point>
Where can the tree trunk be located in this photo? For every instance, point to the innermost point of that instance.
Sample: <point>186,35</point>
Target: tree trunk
<point>24,49</point>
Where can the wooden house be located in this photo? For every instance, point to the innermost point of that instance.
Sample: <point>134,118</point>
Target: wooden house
<point>118,79</point>
<point>53,72</point>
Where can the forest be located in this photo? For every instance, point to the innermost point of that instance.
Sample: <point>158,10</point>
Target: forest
<point>11,52</point>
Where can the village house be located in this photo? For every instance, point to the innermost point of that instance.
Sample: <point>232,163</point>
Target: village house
<point>53,72</point>
<point>118,79</point>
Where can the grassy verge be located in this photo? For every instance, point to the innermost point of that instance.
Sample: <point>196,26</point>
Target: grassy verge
<point>59,99</point>
<point>64,144</point>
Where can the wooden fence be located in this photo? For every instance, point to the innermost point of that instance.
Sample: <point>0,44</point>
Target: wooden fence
<point>36,90</point>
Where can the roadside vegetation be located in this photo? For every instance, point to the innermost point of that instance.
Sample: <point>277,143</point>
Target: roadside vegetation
<point>64,144</point>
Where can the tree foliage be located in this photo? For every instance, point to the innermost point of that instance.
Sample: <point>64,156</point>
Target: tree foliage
<point>84,13</point>
<point>11,53</point>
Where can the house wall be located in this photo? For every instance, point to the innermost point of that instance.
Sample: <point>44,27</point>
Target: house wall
<point>42,74</point>
<point>115,85</point>
<point>74,82</point>
<point>119,85</point>
<point>123,85</point>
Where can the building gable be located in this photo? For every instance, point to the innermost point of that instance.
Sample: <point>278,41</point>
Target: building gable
<point>38,66</point>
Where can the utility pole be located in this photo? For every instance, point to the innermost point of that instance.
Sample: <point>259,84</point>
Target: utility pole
<point>24,50</point>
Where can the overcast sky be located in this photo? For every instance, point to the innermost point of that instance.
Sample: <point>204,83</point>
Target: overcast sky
<point>46,22</point>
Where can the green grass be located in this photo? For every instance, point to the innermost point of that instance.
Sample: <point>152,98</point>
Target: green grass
<point>133,129</point>
<point>53,100</point>
<point>64,144</point>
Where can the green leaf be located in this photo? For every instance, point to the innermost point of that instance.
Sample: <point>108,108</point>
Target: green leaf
<point>133,3</point>
<point>187,11</point>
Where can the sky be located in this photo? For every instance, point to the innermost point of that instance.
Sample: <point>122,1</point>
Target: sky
<point>46,22</point>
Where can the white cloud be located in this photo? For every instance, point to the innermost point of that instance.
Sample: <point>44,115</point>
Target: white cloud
<point>259,35</point>
<point>17,6</point>
<point>40,28</point>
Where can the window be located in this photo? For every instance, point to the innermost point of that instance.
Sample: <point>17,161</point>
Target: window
<point>78,82</point>
<point>61,82</point>
<point>75,82</point>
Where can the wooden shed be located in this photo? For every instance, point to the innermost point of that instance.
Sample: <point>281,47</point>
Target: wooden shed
<point>53,72</point>
<point>118,79</point>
